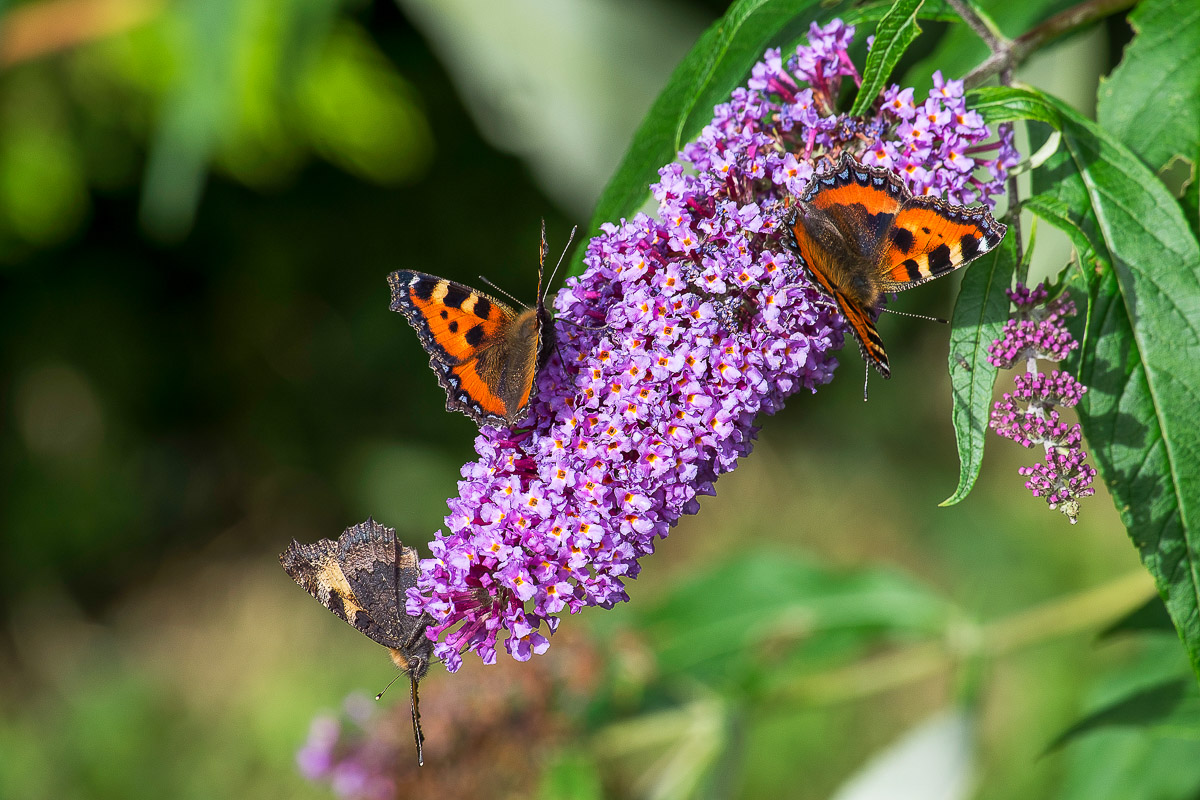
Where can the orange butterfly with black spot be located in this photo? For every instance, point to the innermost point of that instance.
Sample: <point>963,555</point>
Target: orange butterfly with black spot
<point>485,353</point>
<point>860,233</point>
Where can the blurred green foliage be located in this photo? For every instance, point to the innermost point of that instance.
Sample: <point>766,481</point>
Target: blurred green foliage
<point>197,213</point>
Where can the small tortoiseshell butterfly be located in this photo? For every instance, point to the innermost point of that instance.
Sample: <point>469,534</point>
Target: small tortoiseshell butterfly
<point>362,578</point>
<point>860,233</point>
<point>485,353</point>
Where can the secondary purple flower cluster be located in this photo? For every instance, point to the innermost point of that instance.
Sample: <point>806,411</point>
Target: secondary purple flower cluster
<point>356,763</point>
<point>1028,415</point>
<point>701,320</point>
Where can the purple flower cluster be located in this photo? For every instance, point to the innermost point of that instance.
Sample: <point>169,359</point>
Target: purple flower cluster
<point>700,320</point>
<point>1037,330</point>
<point>356,763</point>
<point>938,146</point>
<point>1028,414</point>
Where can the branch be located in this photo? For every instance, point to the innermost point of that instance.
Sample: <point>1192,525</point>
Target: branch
<point>1008,54</point>
<point>1065,616</point>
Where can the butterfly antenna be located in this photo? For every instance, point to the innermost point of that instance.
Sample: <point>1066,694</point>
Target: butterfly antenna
<point>501,291</point>
<point>393,680</point>
<point>866,377</point>
<point>917,316</point>
<point>418,736</point>
<point>567,247</point>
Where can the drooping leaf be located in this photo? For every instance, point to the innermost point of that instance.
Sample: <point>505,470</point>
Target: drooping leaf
<point>979,314</point>
<point>1151,616</point>
<point>1151,102</point>
<point>1191,196</point>
<point>1139,741</point>
<point>1169,708</point>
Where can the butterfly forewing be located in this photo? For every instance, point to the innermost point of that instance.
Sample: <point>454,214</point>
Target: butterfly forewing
<point>454,321</point>
<point>930,238</point>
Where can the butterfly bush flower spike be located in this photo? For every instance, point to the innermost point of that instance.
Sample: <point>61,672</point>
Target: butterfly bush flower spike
<point>699,319</point>
<point>1028,415</point>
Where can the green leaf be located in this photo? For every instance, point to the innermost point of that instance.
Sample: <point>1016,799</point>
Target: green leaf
<point>1142,363</point>
<point>1138,743</point>
<point>718,62</point>
<point>897,30</point>
<point>1006,104</point>
<point>1119,751</point>
<point>1171,708</point>
<point>1150,617</point>
<point>1191,196</point>
<point>1152,100</point>
<point>932,10</point>
<point>979,314</point>
<point>765,601</point>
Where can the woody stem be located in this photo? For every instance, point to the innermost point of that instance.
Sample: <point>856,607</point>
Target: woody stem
<point>1007,54</point>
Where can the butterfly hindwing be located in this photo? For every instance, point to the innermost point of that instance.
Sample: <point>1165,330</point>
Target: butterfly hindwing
<point>862,203</point>
<point>362,579</point>
<point>380,571</point>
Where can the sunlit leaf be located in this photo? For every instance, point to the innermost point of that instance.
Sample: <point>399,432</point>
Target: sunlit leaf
<point>1151,102</point>
<point>979,315</point>
<point>897,30</point>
